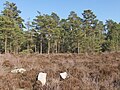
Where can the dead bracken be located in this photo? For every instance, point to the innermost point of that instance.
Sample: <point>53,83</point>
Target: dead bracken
<point>80,72</point>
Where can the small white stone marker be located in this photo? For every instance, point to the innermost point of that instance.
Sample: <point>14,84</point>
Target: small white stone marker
<point>21,70</point>
<point>14,71</point>
<point>42,78</point>
<point>18,70</point>
<point>63,75</point>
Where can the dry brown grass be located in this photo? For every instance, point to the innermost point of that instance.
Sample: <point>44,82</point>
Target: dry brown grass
<point>86,72</point>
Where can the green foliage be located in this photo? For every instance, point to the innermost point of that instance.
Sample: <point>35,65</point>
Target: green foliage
<point>50,34</point>
<point>27,51</point>
<point>10,30</point>
<point>113,35</point>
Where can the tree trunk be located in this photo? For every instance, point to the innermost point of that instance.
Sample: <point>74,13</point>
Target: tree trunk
<point>86,44</point>
<point>93,43</point>
<point>48,46</point>
<point>56,50</point>
<point>17,50</point>
<point>28,46</point>
<point>10,47</point>
<point>5,44</point>
<point>41,47</point>
<point>35,48</point>
<point>78,47</point>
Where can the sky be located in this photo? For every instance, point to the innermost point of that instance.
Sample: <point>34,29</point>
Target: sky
<point>103,9</point>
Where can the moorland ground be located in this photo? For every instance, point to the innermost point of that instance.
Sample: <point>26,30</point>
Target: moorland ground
<point>86,72</point>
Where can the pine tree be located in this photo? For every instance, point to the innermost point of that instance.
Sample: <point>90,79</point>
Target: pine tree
<point>112,36</point>
<point>89,23</point>
<point>6,30</point>
<point>74,31</point>
<point>13,26</point>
